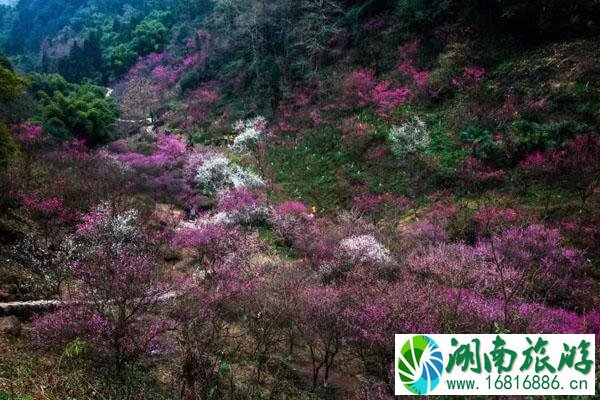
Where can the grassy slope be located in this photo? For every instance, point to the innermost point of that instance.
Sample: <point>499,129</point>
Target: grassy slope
<point>318,167</point>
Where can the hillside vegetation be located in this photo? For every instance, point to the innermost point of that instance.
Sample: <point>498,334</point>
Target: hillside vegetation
<point>247,199</point>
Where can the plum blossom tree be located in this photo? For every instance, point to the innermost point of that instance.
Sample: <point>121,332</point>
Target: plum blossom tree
<point>117,288</point>
<point>532,264</point>
<point>387,98</point>
<point>406,66</point>
<point>379,205</point>
<point>354,254</point>
<point>470,78</point>
<point>44,252</point>
<point>485,314</point>
<point>200,319</point>
<point>473,173</point>
<point>324,335</point>
<point>212,241</point>
<point>163,172</point>
<point>200,102</point>
<point>288,218</point>
<point>577,165</point>
<point>361,89</point>
<point>150,83</point>
<point>450,265</point>
<point>266,318</point>
<point>218,173</point>
<point>488,220</point>
<point>240,206</point>
<point>519,264</point>
<point>375,309</point>
<point>364,249</point>
<point>249,133</point>
<point>139,100</point>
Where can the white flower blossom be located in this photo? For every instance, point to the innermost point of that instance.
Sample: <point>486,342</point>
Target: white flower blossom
<point>218,173</point>
<point>249,134</point>
<point>363,249</point>
<point>409,138</point>
<point>122,224</point>
<point>244,178</point>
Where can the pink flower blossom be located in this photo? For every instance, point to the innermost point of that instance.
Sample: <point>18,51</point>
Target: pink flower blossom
<point>387,98</point>
<point>28,133</point>
<point>237,200</point>
<point>469,78</point>
<point>370,204</point>
<point>291,207</point>
<point>47,207</point>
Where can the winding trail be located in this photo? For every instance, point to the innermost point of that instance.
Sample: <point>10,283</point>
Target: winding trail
<point>26,308</point>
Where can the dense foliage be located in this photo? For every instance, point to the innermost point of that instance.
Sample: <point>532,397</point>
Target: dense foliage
<point>71,110</point>
<point>11,88</point>
<point>96,40</point>
<point>289,184</point>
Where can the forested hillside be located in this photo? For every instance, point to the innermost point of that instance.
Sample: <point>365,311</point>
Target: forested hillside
<point>247,199</point>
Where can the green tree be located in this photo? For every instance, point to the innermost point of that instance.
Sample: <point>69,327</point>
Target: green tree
<point>72,110</point>
<point>194,8</point>
<point>272,43</point>
<point>8,146</point>
<point>11,87</point>
<point>118,59</point>
<point>150,35</point>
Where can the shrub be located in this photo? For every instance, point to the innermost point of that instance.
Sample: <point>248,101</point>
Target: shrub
<point>423,234</point>
<point>361,89</point>
<point>358,87</point>
<point>387,98</point>
<point>190,80</point>
<point>485,145</point>
<point>409,138</point>
<point>469,78</point>
<point>289,220</point>
<point>378,204</point>
<point>529,137</point>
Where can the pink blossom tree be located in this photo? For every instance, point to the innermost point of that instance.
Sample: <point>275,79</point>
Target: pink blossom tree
<point>44,252</point>
<point>163,172</point>
<point>116,290</point>
<point>323,335</point>
<point>361,89</point>
<point>473,173</point>
<point>576,165</point>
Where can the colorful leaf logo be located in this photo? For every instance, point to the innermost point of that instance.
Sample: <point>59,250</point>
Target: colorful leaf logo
<point>420,364</point>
